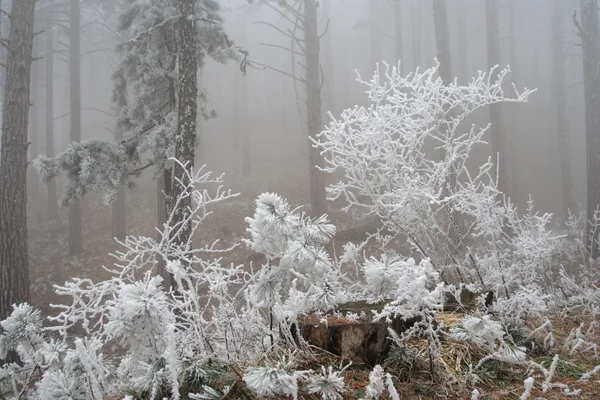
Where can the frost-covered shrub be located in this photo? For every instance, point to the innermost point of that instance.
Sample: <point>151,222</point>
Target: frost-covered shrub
<point>417,289</point>
<point>298,271</point>
<point>391,172</point>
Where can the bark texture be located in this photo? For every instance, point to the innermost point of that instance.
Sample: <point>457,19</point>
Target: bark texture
<point>14,263</point>
<point>361,341</point>
<point>591,64</point>
<point>75,231</point>
<point>185,144</point>
<point>51,185</point>
<point>313,96</point>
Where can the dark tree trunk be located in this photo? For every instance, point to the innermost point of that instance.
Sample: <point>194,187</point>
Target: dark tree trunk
<point>52,199</point>
<point>559,86</point>
<point>14,263</point>
<point>34,127</point>
<point>185,144</point>
<point>497,129</point>
<point>591,64</point>
<point>398,36</point>
<point>313,102</point>
<point>75,231</point>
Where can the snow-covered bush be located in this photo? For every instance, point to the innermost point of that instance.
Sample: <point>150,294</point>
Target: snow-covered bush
<point>160,333</point>
<point>298,276</point>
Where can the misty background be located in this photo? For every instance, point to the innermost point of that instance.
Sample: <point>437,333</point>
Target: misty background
<point>258,137</point>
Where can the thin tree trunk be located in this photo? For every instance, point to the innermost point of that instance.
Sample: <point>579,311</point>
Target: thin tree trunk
<point>442,40</point>
<point>326,55</point>
<point>513,133</point>
<point>497,129</point>
<point>375,37</point>
<point>14,263</point>
<point>559,86</point>
<point>461,44</point>
<point>591,66</point>
<point>34,134</point>
<point>119,215</point>
<point>51,185</point>
<point>241,105</point>
<point>416,34</point>
<point>75,231</point>
<point>313,96</point>
<point>398,36</point>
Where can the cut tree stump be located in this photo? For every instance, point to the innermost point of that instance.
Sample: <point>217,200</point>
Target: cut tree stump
<point>360,340</point>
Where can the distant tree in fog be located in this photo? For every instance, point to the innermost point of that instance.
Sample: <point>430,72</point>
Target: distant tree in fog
<point>304,37</point>
<point>14,263</point>
<point>559,88</point>
<point>498,136</point>
<point>589,30</point>
<point>156,91</point>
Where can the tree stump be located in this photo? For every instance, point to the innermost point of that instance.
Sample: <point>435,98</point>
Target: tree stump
<point>360,340</point>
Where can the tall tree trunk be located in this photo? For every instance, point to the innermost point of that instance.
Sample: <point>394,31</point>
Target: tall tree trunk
<point>513,133</point>
<point>326,55</point>
<point>591,64</point>
<point>416,34</point>
<point>185,144</point>
<point>51,185</point>
<point>559,86</point>
<point>375,36</point>
<point>313,103</point>
<point>442,40</point>
<point>241,105</point>
<point>461,44</point>
<point>398,36</point>
<point>34,128</point>
<point>119,215</point>
<point>75,231</point>
<point>497,129</point>
<point>14,263</point>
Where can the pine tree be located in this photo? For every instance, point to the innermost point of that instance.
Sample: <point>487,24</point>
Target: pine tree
<point>14,263</point>
<point>156,93</point>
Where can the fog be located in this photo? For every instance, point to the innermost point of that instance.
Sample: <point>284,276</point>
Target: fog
<point>258,136</point>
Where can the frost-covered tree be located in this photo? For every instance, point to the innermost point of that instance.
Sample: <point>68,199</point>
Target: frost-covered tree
<point>387,153</point>
<point>157,97</point>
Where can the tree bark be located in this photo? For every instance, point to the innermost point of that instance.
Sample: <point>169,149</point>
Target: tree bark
<point>185,144</point>
<point>559,86</point>
<point>591,64</point>
<point>75,231</point>
<point>313,102</point>
<point>14,263</point>
<point>497,129</point>
<point>51,185</point>
<point>34,134</point>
